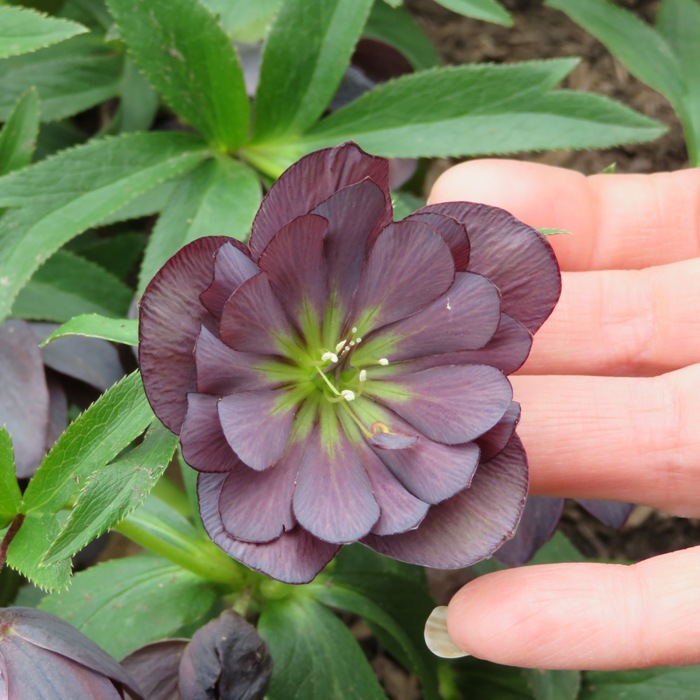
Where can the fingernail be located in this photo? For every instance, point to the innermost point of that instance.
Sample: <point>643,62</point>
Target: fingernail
<point>436,637</point>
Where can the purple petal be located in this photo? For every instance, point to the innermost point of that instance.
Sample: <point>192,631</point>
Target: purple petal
<point>452,232</point>
<point>537,525</point>
<point>514,256</point>
<point>204,445</point>
<point>472,524</point>
<point>309,182</point>
<point>453,404</point>
<point>155,668</point>
<point>170,319</point>
<point>253,319</point>
<point>612,513</point>
<point>295,557</point>
<point>496,439</point>
<point>58,410</point>
<point>392,441</point>
<point>232,267</point>
<point>257,425</point>
<point>333,498</point>
<point>408,268</point>
<point>294,263</point>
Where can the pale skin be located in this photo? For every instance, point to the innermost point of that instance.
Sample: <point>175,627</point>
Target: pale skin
<point>611,410</point>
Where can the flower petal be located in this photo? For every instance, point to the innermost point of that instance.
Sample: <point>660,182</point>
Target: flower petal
<point>232,267</point>
<point>452,404</point>
<point>170,318</point>
<point>612,513</point>
<point>472,524</point>
<point>295,557</point>
<point>333,499</point>
<point>452,232</point>
<point>309,182</point>
<point>257,425</point>
<point>408,267</point>
<point>514,256</point>
<point>204,445</point>
<point>495,440</point>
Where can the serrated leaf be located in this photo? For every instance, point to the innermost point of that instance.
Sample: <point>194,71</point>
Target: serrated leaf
<point>68,285</point>
<point>126,603</point>
<point>10,495</point>
<point>150,202</point>
<point>644,684</point>
<point>23,30</point>
<point>138,104</point>
<point>553,685</point>
<point>116,330</point>
<point>486,10</point>
<point>244,20</point>
<point>92,440</point>
<point>308,49</point>
<point>315,655</point>
<point>70,77</point>
<point>220,197</point>
<point>479,110</point>
<point>480,680</point>
<point>190,61</point>
<point>117,252</point>
<point>111,493</point>
<point>19,134</point>
<point>64,195</point>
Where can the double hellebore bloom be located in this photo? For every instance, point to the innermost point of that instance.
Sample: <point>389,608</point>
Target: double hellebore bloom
<point>343,378</point>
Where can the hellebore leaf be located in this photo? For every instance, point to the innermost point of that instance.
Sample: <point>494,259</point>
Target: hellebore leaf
<point>643,684</point>
<point>62,196</point>
<point>10,495</point>
<point>305,56</point>
<point>315,655</point>
<point>117,330</point>
<point>189,59</point>
<point>18,136</point>
<point>244,20</point>
<point>553,685</point>
<point>124,603</point>
<point>487,10</point>
<point>23,30</point>
<point>116,253</point>
<point>95,438</point>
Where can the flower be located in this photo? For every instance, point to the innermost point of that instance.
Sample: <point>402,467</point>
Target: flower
<point>41,656</point>
<point>343,377</point>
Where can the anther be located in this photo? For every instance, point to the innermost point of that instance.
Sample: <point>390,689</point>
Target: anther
<point>383,361</point>
<point>340,345</point>
<point>329,356</point>
<point>348,395</point>
<point>363,375</point>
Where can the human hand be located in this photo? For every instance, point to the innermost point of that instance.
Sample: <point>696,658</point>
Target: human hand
<point>611,409</point>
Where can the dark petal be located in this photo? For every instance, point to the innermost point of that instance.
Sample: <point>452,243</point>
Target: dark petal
<point>408,267</point>
<point>58,410</point>
<point>464,318</point>
<point>294,263</point>
<point>170,318</point>
<point>379,61</point>
<point>452,232</point>
<point>612,513</point>
<point>309,182</point>
<point>155,667</point>
<point>204,445</point>
<point>495,440</point>
<point>226,657</point>
<point>392,441</point>
<point>472,524</point>
<point>24,396</point>
<point>253,319</point>
<point>257,506</point>
<point>514,256</point>
<point>537,525</point>
<point>222,370</point>
<point>295,557</point>
<point>453,404</point>
<point>232,267</point>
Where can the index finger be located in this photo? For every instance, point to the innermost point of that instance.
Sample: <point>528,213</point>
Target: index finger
<point>618,221</point>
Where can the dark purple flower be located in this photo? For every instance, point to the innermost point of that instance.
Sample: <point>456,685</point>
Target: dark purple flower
<point>41,656</point>
<point>343,378</point>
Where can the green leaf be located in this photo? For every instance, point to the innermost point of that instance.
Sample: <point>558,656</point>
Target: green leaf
<point>190,61</point>
<point>553,685</point>
<point>244,20</point>
<point>396,27</point>
<point>70,77</point>
<point>645,684</point>
<point>63,195</point>
<point>68,285</point>
<point>111,493</point>
<point>405,204</point>
<point>554,231</point>
<point>500,109</point>
<point>139,102</point>
<point>151,202</point>
<point>480,680</point>
<point>19,135</point>
<point>94,439</point>
<point>487,10</point>
<point>315,655</point>
<point>10,495</point>
<point>117,252</point>
<point>220,197</point>
<point>123,604</point>
<point>23,31</point>
<point>308,49</point>
<point>117,330</point>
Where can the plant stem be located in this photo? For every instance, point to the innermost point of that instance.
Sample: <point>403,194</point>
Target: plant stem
<point>9,536</point>
<point>173,495</point>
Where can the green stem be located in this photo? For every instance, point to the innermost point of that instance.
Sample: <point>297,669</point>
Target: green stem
<point>173,495</point>
<point>9,536</point>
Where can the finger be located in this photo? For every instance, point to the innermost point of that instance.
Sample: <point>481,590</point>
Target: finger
<point>617,221</point>
<point>592,616</point>
<point>616,438</point>
<point>622,322</point>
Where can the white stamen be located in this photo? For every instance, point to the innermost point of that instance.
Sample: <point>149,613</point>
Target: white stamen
<point>340,345</point>
<point>352,343</point>
<point>348,395</point>
<point>358,340</point>
<point>354,329</point>
<point>329,356</point>
<point>383,361</point>
<point>363,375</point>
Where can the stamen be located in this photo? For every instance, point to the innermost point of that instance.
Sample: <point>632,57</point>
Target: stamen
<point>329,356</point>
<point>328,381</point>
<point>363,375</point>
<point>340,346</point>
<point>383,361</point>
<point>353,329</point>
<point>348,395</point>
<point>358,340</point>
